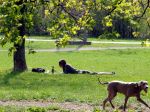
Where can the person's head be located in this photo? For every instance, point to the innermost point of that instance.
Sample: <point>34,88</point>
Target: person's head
<point>62,63</point>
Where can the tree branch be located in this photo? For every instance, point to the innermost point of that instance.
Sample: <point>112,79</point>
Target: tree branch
<point>148,24</point>
<point>147,6</point>
<point>70,14</point>
<point>114,8</point>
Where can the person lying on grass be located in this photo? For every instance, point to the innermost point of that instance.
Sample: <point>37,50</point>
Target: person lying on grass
<point>68,69</point>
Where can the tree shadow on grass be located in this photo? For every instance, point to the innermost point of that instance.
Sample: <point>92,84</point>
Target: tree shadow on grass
<point>8,76</point>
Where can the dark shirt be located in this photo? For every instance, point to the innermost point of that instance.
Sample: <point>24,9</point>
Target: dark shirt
<point>69,69</point>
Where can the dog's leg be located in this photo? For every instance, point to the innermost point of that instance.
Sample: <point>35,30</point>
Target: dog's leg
<point>104,102</point>
<point>111,95</point>
<point>143,102</point>
<point>111,104</point>
<point>125,103</point>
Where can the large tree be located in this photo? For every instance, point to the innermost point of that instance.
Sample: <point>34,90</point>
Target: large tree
<point>66,17</point>
<point>14,23</point>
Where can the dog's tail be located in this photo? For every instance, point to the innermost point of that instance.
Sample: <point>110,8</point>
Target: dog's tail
<point>103,83</point>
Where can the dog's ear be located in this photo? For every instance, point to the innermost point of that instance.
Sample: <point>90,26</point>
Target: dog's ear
<point>140,83</point>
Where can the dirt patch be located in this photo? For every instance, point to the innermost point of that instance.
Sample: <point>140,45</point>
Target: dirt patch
<point>63,105</point>
<point>75,107</point>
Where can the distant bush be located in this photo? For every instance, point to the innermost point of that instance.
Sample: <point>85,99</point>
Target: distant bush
<point>108,35</point>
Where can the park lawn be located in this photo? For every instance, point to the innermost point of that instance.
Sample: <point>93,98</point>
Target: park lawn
<point>129,65</point>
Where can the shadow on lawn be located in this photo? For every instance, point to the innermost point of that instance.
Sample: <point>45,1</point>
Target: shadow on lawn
<point>8,76</point>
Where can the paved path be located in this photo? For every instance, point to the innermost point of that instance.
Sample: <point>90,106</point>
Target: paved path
<point>86,49</point>
<point>83,49</point>
<point>40,40</point>
<point>95,42</point>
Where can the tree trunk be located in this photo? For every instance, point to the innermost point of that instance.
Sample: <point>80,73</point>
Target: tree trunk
<point>19,57</point>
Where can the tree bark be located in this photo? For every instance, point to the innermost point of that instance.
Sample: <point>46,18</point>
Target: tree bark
<point>19,57</point>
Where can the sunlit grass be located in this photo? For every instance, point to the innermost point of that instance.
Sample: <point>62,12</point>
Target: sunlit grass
<point>129,65</point>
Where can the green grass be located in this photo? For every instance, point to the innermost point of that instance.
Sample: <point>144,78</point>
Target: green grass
<point>129,65</point>
<point>31,109</point>
<point>12,109</point>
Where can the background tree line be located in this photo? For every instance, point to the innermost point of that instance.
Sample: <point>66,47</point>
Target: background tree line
<point>113,19</point>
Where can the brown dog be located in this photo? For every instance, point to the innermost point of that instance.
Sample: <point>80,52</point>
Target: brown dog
<point>129,89</point>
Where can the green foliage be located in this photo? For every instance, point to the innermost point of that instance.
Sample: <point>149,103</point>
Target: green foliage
<point>12,13</point>
<point>107,35</point>
<point>96,110</point>
<point>68,18</point>
<point>53,108</point>
<point>117,15</point>
<point>127,10</point>
<point>12,109</point>
<point>64,18</point>
<point>63,41</point>
<point>107,21</point>
<point>36,109</point>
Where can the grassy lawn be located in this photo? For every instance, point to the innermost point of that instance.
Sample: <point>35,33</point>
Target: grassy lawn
<point>129,65</point>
